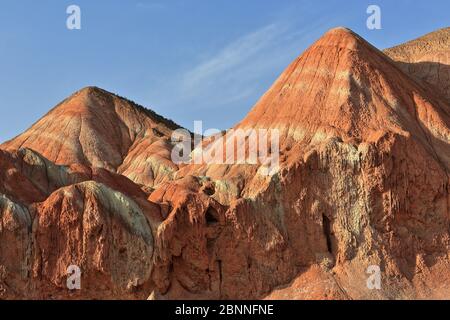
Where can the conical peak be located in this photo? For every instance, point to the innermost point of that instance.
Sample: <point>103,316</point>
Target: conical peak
<point>341,30</point>
<point>342,86</point>
<point>94,99</point>
<point>91,91</point>
<point>341,37</point>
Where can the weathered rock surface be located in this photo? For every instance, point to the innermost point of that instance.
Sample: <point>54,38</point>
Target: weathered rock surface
<point>96,128</point>
<point>427,59</point>
<point>363,180</point>
<point>99,230</point>
<point>67,216</point>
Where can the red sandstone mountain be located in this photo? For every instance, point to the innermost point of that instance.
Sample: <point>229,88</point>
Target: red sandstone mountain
<point>427,59</point>
<point>96,128</point>
<point>363,180</point>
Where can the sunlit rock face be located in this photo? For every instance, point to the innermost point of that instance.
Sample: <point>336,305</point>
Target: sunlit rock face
<point>363,180</point>
<point>101,231</point>
<point>427,60</point>
<point>98,129</point>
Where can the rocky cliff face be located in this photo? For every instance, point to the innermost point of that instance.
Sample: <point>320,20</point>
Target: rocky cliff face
<point>363,180</point>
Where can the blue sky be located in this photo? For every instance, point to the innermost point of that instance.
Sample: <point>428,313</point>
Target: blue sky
<point>206,60</point>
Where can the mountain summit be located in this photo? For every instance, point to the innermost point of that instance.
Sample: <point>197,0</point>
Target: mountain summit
<point>363,184</point>
<point>344,87</point>
<point>96,128</point>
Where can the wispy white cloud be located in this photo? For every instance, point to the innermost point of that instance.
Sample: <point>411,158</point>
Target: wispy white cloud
<point>235,72</point>
<point>234,76</point>
<point>234,55</point>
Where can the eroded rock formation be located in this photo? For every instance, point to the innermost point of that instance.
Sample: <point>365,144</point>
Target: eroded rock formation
<point>363,180</point>
<point>427,59</point>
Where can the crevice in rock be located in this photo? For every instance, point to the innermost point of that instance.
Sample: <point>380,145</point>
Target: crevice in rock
<point>211,216</point>
<point>327,232</point>
<point>209,190</point>
<point>219,264</point>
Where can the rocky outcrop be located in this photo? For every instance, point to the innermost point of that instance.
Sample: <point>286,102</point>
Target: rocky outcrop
<point>427,59</point>
<point>97,229</point>
<point>15,248</point>
<point>96,128</point>
<point>71,216</point>
<point>363,180</point>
